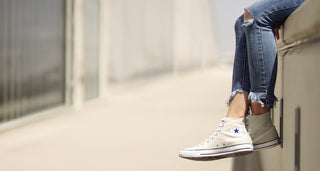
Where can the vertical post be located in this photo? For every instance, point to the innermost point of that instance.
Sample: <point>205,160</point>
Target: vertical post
<point>103,49</point>
<point>68,51</point>
<point>78,55</point>
<point>281,122</point>
<point>297,139</point>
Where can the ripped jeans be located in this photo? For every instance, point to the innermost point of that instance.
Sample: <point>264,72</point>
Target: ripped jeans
<point>255,62</point>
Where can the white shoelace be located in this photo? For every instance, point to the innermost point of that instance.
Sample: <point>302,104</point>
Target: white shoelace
<point>215,133</point>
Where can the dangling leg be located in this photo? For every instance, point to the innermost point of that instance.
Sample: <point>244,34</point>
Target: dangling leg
<point>231,137</point>
<point>256,107</point>
<point>238,101</point>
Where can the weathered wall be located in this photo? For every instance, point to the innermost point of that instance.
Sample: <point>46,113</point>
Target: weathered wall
<point>147,37</point>
<point>298,92</point>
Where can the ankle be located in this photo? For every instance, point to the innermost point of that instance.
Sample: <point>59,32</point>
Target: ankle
<point>260,112</point>
<point>239,106</point>
<point>257,109</point>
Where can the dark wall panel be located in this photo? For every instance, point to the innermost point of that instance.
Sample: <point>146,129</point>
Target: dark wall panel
<point>32,67</point>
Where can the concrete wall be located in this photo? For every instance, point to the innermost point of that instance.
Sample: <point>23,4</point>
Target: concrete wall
<point>299,50</point>
<point>140,37</point>
<point>194,34</point>
<point>298,91</point>
<point>148,37</point>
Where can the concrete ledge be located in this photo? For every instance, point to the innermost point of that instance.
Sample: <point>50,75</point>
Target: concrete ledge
<point>304,23</point>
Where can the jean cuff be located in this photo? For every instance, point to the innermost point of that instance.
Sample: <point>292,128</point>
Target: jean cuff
<point>262,99</point>
<point>254,97</point>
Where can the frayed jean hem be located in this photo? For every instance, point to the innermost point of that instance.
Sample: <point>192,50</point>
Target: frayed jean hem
<point>254,97</point>
<point>262,98</point>
<point>228,101</point>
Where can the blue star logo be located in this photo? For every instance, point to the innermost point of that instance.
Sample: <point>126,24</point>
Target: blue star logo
<point>236,131</point>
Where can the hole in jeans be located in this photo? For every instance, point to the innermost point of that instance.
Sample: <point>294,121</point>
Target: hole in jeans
<point>247,17</point>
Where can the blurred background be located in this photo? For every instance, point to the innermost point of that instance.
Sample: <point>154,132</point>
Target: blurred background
<point>80,75</point>
<point>66,52</point>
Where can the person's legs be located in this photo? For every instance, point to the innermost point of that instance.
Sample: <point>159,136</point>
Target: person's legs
<point>238,102</point>
<point>252,85</point>
<point>255,63</point>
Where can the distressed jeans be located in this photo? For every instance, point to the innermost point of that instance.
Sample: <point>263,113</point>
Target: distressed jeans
<point>255,62</point>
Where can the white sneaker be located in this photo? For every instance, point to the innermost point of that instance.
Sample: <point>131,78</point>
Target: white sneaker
<point>231,139</point>
<point>263,133</point>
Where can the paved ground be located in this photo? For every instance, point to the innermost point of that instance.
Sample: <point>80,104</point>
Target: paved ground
<point>141,126</point>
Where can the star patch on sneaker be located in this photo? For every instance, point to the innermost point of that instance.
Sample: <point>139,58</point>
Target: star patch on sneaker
<point>236,130</point>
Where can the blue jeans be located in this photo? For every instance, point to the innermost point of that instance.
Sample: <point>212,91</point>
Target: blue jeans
<point>255,62</point>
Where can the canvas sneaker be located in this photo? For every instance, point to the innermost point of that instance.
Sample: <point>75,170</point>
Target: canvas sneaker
<point>263,133</point>
<point>230,139</point>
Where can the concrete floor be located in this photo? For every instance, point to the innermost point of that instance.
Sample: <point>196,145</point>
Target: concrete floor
<point>140,126</point>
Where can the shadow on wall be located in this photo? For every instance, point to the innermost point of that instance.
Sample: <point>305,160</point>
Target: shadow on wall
<point>249,162</point>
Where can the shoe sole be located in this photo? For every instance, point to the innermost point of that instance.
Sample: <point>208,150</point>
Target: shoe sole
<point>266,145</point>
<point>215,154</point>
